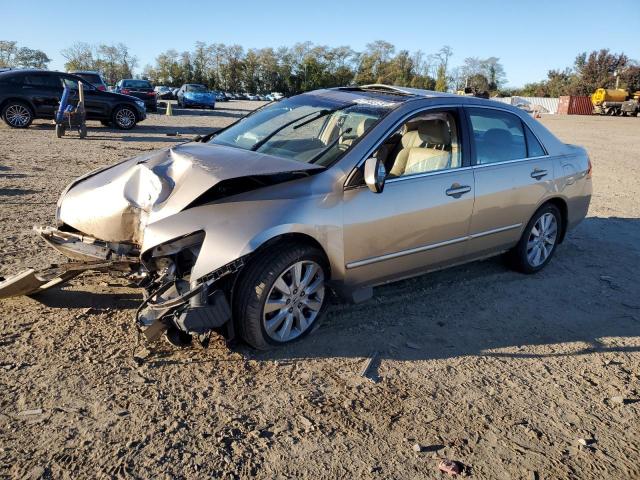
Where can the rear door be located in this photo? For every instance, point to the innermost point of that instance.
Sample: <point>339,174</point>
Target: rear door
<point>512,174</point>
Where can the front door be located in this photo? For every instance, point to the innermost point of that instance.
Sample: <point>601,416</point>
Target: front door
<point>421,219</point>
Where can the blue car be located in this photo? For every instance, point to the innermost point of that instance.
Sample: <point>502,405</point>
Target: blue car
<point>196,95</point>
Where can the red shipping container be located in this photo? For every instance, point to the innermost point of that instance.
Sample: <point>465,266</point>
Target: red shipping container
<point>575,105</point>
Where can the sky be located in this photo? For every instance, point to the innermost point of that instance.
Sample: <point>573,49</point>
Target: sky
<point>529,36</point>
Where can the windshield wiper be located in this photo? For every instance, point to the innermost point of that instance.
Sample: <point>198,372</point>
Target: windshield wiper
<point>318,115</point>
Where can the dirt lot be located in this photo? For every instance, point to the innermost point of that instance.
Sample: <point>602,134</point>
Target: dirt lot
<point>502,372</point>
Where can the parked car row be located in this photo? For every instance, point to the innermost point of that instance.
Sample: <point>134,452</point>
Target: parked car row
<point>170,93</point>
<point>27,94</point>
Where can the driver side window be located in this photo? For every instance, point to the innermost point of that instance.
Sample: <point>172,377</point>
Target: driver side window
<point>428,142</point>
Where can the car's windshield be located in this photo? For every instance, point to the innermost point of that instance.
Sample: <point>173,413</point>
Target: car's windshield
<point>196,88</point>
<point>306,128</point>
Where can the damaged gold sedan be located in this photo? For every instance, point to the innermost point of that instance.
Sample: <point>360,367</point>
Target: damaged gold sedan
<point>248,228</point>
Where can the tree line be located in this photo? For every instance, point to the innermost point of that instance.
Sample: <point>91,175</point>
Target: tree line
<point>290,70</point>
<point>596,69</point>
<point>307,66</point>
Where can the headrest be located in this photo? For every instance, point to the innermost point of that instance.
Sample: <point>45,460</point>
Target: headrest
<point>364,125</point>
<point>497,136</point>
<point>434,131</point>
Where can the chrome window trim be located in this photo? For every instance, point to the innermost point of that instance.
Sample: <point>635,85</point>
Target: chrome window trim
<point>504,162</point>
<point>424,174</point>
<point>432,246</point>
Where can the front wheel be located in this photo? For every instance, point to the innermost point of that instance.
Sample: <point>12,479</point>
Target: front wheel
<point>539,240</point>
<point>124,118</point>
<point>60,130</point>
<point>17,114</point>
<point>281,295</point>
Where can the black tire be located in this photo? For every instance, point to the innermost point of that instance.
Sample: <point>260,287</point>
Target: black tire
<point>256,282</point>
<point>60,130</point>
<point>105,123</point>
<point>83,131</point>
<point>518,257</point>
<point>17,114</point>
<point>124,117</point>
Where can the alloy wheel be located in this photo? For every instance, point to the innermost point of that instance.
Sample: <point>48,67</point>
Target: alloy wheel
<point>18,115</point>
<point>294,301</point>
<point>125,117</point>
<point>542,239</point>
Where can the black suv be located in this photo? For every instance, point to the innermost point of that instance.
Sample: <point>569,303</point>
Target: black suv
<point>29,94</point>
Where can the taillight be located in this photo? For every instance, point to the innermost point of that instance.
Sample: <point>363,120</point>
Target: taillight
<point>125,91</point>
<point>589,169</point>
<point>102,87</point>
<point>151,94</point>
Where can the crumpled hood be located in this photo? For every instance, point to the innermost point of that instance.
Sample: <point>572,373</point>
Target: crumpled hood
<point>115,204</point>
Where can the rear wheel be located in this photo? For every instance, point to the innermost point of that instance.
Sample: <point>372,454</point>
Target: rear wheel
<point>124,118</point>
<point>17,114</point>
<point>281,295</point>
<point>83,131</point>
<point>539,240</point>
<point>105,123</point>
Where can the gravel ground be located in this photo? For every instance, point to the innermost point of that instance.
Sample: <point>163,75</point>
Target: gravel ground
<point>513,376</point>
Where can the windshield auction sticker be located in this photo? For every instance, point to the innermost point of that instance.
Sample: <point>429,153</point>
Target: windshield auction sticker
<point>375,103</point>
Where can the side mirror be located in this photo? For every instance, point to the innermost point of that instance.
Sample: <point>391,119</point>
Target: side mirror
<point>374,174</point>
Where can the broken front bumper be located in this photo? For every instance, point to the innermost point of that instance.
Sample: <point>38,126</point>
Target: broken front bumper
<point>86,252</point>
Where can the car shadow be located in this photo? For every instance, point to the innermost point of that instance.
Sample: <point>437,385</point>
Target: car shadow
<point>13,192</point>
<point>588,294</point>
<point>61,297</point>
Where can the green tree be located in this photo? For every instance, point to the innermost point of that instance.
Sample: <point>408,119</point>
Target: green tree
<point>8,51</point>
<point>441,79</point>
<point>28,58</point>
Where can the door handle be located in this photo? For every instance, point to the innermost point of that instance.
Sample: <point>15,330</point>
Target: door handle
<point>538,174</point>
<point>456,190</point>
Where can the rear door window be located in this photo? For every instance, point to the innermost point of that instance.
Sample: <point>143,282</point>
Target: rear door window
<point>499,136</point>
<point>42,81</point>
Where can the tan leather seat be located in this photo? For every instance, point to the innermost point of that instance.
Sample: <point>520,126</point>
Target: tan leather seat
<point>426,149</point>
<point>362,127</point>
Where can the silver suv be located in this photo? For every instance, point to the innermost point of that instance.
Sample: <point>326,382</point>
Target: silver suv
<point>246,230</point>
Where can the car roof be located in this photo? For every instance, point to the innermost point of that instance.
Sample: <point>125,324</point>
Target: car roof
<point>404,94</point>
<point>22,71</point>
<point>91,72</point>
